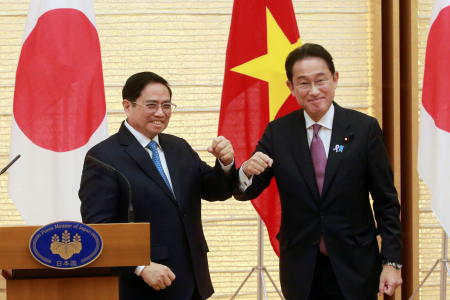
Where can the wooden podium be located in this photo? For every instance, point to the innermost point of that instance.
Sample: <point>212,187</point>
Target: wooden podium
<point>123,245</point>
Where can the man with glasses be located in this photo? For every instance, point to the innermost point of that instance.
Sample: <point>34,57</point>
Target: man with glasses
<point>162,180</point>
<point>326,160</point>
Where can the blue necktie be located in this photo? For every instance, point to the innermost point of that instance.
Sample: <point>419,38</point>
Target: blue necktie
<point>155,157</point>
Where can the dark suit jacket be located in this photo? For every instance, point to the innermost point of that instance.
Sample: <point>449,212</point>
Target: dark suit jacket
<point>343,214</point>
<point>177,238</point>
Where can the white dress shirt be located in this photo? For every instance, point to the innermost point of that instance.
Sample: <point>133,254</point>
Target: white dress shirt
<point>143,140</point>
<point>325,131</point>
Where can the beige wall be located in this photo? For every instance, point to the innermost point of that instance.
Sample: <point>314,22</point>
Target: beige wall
<point>185,42</point>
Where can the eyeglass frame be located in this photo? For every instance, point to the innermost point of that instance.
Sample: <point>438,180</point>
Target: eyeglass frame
<point>307,86</point>
<point>157,106</point>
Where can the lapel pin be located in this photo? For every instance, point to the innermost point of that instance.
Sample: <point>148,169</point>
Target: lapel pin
<point>338,148</point>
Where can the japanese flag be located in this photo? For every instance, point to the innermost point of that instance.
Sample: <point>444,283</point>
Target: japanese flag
<point>434,143</point>
<point>59,109</point>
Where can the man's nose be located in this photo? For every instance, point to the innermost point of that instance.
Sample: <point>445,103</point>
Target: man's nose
<point>159,110</point>
<point>314,89</point>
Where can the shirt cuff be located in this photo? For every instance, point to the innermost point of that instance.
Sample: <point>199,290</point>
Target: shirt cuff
<point>226,168</point>
<point>138,270</point>
<point>244,181</point>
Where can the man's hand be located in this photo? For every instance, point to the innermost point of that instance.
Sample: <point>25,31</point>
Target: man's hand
<point>157,276</point>
<point>256,164</point>
<point>390,279</point>
<point>222,149</point>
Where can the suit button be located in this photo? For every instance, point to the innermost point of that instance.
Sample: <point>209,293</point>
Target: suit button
<point>315,243</point>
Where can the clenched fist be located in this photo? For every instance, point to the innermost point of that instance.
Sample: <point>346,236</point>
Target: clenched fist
<point>157,276</point>
<point>256,164</point>
<point>390,279</point>
<point>222,149</point>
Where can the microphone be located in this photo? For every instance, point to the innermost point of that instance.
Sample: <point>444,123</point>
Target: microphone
<point>112,169</point>
<point>10,164</point>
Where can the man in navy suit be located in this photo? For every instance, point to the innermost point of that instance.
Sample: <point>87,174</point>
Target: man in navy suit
<point>326,160</point>
<point>161,179</point>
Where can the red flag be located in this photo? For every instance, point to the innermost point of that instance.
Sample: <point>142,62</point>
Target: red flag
<point>434,144</point>
<point>59,109</point>
<point>262,34</point>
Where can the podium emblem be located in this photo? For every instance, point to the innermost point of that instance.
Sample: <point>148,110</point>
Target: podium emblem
<point>66,245</point>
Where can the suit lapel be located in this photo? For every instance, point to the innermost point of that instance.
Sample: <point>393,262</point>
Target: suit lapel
<point>340,130</point>
<point>301,153</point>
<point>142,159</point>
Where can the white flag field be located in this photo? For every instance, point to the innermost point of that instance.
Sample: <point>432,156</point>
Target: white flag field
<point>59,109</point>
<point>434,139</point>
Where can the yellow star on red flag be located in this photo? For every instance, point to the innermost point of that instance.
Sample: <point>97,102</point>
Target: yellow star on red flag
<point>270,67</point>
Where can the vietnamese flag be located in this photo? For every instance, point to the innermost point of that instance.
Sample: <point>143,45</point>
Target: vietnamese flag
<point>59,109</point>
<point>434,138</point>
<point>262,34</point>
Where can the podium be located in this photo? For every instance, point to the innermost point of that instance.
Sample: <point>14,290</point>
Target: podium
<point>125,244</point>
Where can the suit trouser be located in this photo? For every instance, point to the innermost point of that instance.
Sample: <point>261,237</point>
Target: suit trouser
<point>325,285</point>
<point>196,295</point>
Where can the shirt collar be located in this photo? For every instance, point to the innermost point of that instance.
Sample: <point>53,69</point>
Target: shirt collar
<point>326,120</point>
<point>142,139</point>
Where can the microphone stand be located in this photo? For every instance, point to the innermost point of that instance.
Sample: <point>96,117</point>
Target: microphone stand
<point>124,178</point>
<point>445,269</point>
<point>260,269</point>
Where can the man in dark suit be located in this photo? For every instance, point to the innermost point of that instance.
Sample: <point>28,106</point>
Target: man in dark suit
<point>326,160</point>
<point>161,179</point>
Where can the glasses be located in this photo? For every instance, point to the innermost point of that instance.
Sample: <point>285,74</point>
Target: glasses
<point>152,107</point>
<point>307,86</point>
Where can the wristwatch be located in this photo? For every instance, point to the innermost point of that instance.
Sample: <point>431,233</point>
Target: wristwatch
<point>393,264</point>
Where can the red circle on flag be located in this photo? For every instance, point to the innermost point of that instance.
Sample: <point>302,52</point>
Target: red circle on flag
<point>59,98</point>
<point>436,85</point>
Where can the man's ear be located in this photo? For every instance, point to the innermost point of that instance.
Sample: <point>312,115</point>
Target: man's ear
<point>336,77</point>
<point>290,86</point>
<point>126,106</point>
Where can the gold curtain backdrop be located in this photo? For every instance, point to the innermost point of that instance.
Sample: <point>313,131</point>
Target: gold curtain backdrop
<point>185,42</point>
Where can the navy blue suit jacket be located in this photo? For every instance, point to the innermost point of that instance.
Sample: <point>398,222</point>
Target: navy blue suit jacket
<point>342,214</point>
<point>177,238</point>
